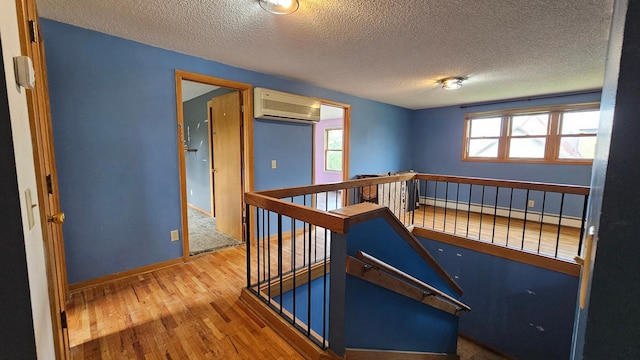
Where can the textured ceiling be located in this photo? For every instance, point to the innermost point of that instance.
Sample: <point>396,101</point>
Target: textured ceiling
<point>390,51</point>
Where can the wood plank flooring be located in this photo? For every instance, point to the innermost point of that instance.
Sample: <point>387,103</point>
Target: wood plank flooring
<point>538,238</point>
<point>187,311</point>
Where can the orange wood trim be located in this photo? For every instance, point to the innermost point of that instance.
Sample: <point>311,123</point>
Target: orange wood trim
<point>312,189</point>
<point>83,285</point>
<point>301,276</point>
<point>384,278</point>
<point>489,348</point>
<point>199,210</point>
<point>329,221</point>
<point>293,336</point>
<point>367,354</point>
<point>212,193</point>
<point>560,188</point>
<point>531,161</point>
<point>409,279</point>
<point>541,261</point>
<point>246,91</point>
<point>182,167</point>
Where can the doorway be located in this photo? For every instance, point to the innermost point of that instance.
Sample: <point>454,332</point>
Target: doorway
<point>213,148</point>
<point>330,153</point>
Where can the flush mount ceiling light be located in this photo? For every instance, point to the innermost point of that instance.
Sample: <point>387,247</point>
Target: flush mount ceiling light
<point>451,83</point>
<point>280,7</point>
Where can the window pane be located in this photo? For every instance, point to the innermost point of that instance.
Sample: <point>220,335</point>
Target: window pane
<point>488,127</point>
<point>577,147</point>
<point>334,139</point>
<point>529,148</point>
<point>334,160</point>
<point>483,148</point>
<point>529,124</point>
<point>580,122</point>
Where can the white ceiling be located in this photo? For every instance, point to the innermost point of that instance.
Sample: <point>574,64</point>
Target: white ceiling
<point>390,51</point>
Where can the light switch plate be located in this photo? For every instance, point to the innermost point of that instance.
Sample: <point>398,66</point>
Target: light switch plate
<point>175,235</point>
<point>273,164</point>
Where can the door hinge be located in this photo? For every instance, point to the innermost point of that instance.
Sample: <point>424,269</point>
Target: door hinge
<point>49,186</point>
<point>63,319</point>
<point>33,31</point>
<point>242,108</point>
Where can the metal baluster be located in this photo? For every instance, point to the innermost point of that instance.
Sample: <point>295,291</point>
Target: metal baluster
<point>258,246</point>
<point>435,202</point>
<point>269,252</point>
<point>524,224</point>
<point>544,199</point>
<point>424,210</point>
<point>481,214</point>
<point>304,235</point>
<point>584,214</point>
<point>509,218</point>
<point>469,208</point>
<point>455,220</point>
<point>309,288</point>
<point>559,224</point>
<point>324,293</point>
<point>280,258</point>
<point>293,267</point>
<point>495,213</point>
<point>446,203</point>
<point>247,241</point>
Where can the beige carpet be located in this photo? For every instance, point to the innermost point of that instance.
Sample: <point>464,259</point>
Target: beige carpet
<point>203,236</point>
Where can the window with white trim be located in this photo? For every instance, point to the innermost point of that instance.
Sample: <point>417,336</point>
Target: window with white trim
<point>333,149</point>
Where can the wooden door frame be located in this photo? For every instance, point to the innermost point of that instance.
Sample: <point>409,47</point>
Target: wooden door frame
<point>46,176</point>
<point>246,91</point>
<point>211,164</point>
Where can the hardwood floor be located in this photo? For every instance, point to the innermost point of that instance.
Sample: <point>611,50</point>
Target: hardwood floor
<point>538,238</point>
<point>188,311</point>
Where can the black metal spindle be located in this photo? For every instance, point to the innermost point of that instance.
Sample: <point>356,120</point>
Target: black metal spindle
<point>268,236</point>
<point>435,202</point>
<point>455,220</point>
<point>324,293</point>
<point>258,246</point>
<point>495,215</point>
<point>304,235</point>
<point>559,224</point>
<point>481,214</point>
<point>424,210</point>
<point>544,199</point>
<point>524,223</point>
<point>309,287</point>
<point>509,218</point>
<point>247,242</point>
<point>293,267</point>
<point>280,258</point>
<point>446,203</point>
<point>264,245</point>
<point>469,208</point>
<point>582,222</point>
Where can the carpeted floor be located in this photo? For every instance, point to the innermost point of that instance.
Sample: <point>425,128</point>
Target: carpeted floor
<point>203,236</point>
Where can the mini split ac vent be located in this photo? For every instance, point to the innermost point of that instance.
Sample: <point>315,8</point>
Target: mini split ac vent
<point>278,105</point>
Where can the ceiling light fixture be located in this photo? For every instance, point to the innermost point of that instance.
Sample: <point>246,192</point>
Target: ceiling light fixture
<point>451,83</point>
<point>280,7</point>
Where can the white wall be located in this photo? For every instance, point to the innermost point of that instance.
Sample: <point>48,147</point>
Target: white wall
<point>34,246</point>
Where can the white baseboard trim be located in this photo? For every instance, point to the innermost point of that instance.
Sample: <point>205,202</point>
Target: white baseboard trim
<point>569,221</point>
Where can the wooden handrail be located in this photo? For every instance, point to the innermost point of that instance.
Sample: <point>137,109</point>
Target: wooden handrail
<point>559,188</point>
<point>330,221</point>
<point>370,260</point>
<point>313,189</point>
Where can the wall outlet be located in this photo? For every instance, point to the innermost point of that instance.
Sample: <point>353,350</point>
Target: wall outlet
<point>273,164</point>
<point>531,203</point>
<point>175,235</point>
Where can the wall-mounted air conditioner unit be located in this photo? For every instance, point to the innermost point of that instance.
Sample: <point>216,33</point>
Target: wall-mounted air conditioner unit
<point>278,105</point>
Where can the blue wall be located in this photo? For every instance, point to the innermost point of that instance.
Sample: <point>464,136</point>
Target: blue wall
<point>522,310</point>
<point>114,118</point>
<point>437,136</point>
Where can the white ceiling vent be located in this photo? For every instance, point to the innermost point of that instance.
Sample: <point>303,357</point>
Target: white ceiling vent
<point>278,105</point>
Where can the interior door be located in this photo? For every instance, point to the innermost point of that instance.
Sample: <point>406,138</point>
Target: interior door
<point>227,163</point>
<point>44,159</point>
